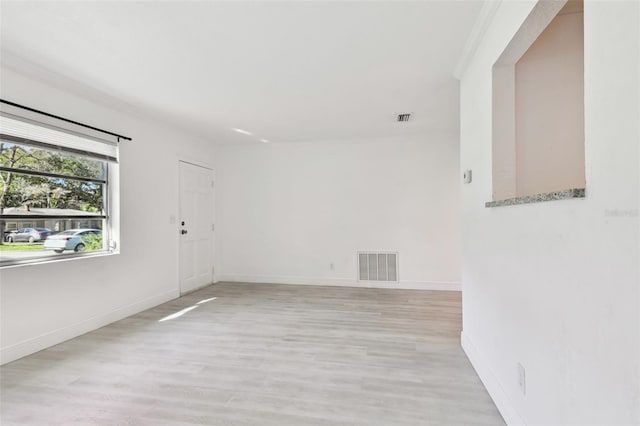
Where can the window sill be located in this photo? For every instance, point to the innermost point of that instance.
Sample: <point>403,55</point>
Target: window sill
<point>54,259</point>
<point>539,198</point>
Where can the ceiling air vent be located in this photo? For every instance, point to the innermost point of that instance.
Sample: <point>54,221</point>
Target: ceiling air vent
<point>404,117</point>
<point>377,266</point>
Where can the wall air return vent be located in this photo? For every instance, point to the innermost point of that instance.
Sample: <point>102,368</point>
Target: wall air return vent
<point>404,117</point>
<point>378,266</point>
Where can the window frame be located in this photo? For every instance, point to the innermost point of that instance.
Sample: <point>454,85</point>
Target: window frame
<point>109,182</point>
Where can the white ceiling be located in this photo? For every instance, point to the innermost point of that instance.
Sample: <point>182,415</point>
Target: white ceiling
<point>285,71</point>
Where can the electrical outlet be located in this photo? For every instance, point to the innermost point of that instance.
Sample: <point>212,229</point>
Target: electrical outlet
<point>522,379</point>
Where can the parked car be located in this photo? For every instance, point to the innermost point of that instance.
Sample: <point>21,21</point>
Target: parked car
<point>71,239</point>
<point>5,235</point>
<point>29,234</point>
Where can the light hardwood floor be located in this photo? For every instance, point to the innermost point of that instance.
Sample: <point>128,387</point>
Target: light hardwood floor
<point>262,355</point>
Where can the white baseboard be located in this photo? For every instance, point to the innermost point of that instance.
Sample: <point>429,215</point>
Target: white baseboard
<point>491,383</point>
<point>35,344</point>
<point>340,282</point>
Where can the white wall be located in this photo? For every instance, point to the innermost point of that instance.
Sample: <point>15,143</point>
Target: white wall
<point>287,211</point>
<point>550,109</point>
<point>41,305</point>
<point>555,286</point>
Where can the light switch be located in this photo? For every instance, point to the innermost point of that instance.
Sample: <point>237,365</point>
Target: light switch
<point>467,176</point>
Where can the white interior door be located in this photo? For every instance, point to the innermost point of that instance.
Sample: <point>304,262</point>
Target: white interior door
<point>196,227</point>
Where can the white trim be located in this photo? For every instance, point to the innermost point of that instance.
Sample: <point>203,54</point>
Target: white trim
<point>340,282</point>
<point>491,383</point>
<point>476,35</point>
<point>35,344</point>
<point>201,164</point>
<point>55,259</point>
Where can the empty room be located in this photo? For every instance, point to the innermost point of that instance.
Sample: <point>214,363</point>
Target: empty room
<point>349,213</point>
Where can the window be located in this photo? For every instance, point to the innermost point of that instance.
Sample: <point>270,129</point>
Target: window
<point>58,193</point>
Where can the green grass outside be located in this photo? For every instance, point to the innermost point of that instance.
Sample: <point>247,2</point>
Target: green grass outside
<point>20,247</point>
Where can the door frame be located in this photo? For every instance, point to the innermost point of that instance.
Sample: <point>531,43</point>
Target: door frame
<point>214,262</point>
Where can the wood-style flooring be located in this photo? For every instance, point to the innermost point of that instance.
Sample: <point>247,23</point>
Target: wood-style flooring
<point>260,354</point>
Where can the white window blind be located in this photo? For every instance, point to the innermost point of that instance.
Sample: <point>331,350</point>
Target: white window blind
<point>26,132</point>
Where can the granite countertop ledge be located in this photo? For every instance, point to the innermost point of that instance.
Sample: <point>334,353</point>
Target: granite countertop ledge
<point>539,198</point>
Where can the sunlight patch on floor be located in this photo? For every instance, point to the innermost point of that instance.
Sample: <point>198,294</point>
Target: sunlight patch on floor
<point>178,314</point>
